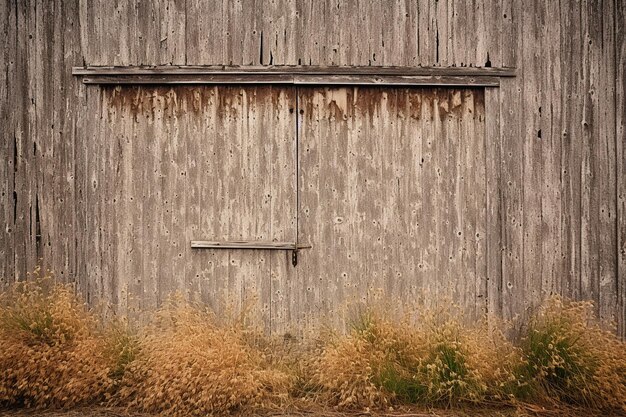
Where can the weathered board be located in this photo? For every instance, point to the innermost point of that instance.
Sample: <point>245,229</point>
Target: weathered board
<point>554,144</point>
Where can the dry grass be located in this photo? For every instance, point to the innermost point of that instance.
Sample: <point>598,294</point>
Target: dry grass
<point>54,353</point>
<point>570,358</point>
<point>564,359</point>
<point>385,362</point>
<point>188,365</point>
<point>51,353</point>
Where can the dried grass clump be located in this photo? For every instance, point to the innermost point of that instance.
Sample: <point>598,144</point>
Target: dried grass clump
<point>295,357</point>
<point>464,364</point>
<point>187,364</point>
<point>384,362</point>
<point>50,349</point>
<point>347,367</point>
<point>570,358</point>
<point>121,348</point>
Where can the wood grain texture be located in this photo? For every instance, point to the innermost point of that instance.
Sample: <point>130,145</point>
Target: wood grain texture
<point>493,189</point>
<point>620,144</point>
<point>553,200</point>
<point>392,197</point>
<point>190,162</point>
<point>171,70</point>
<point>323,80</point>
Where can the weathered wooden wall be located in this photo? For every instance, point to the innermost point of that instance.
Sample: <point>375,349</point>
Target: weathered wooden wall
<point>167,166</point>
<point>555,135</point>
<point>392,199</point>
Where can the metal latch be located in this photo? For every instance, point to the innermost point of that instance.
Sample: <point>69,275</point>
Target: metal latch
<point>294,253</point>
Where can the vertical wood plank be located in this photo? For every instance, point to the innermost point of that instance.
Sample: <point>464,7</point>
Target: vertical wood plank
<point>284,278</point>
<point>532,164</point>
<point>604,156</point>
<point>8,80</point>
<point>172,30</point>
<point>493,236</point>
<point>427,34</point>
<point>549,135</point>
<point>570,104</point>
<point>312,284</point>
<point>620,142</point>
<point>588,239</point>
<point>204,32</point>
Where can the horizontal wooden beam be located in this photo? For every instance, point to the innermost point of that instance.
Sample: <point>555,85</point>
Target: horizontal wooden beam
<point>398,80</point>
<point>296,75</point>
<point>246,244</point>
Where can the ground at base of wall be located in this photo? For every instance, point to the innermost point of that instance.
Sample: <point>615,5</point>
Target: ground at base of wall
<point>408,412</point>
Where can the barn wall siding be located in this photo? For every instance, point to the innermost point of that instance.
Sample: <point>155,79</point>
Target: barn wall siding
<point>554,147</point>
<point>151,191</point>
<point>392,199</point>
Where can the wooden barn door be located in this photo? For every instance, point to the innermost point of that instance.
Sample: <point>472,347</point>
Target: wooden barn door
<point>391,198</point>
<point>215,163</point>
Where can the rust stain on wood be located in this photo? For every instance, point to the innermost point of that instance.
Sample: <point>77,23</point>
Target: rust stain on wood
<point>341,102</point>
<point>179,100</point>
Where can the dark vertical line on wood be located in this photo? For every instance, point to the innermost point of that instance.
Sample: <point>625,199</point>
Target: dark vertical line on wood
<point>620,116</point>
<point>417,32</point>
<point>580,168</point>
<point>261,50</point>
<point>566,168</point>
<point>437,41</point>
<point>297,162</point>
<point>617,154</point>
<point>37,229</point>
<point>522,133</point>
<point>186,33</point>
<point>78,206</point>
<point>487,116</point>
<point>501,213</point>
<point>14,178</point>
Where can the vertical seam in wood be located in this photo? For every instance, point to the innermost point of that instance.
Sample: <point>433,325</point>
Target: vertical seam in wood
<point>297,162</point>
<point>186,31</point>
<point>521,179</point>
<point>615,118</point>
<point>580,177</point>
<point>621,319</point>
<point>487,299</point>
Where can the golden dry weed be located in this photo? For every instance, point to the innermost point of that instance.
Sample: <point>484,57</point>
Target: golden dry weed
<point>188,365</point>
<point>55,353</point>
<point>51,354</point>
<point>569,357</point>
<point>385,362</point>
